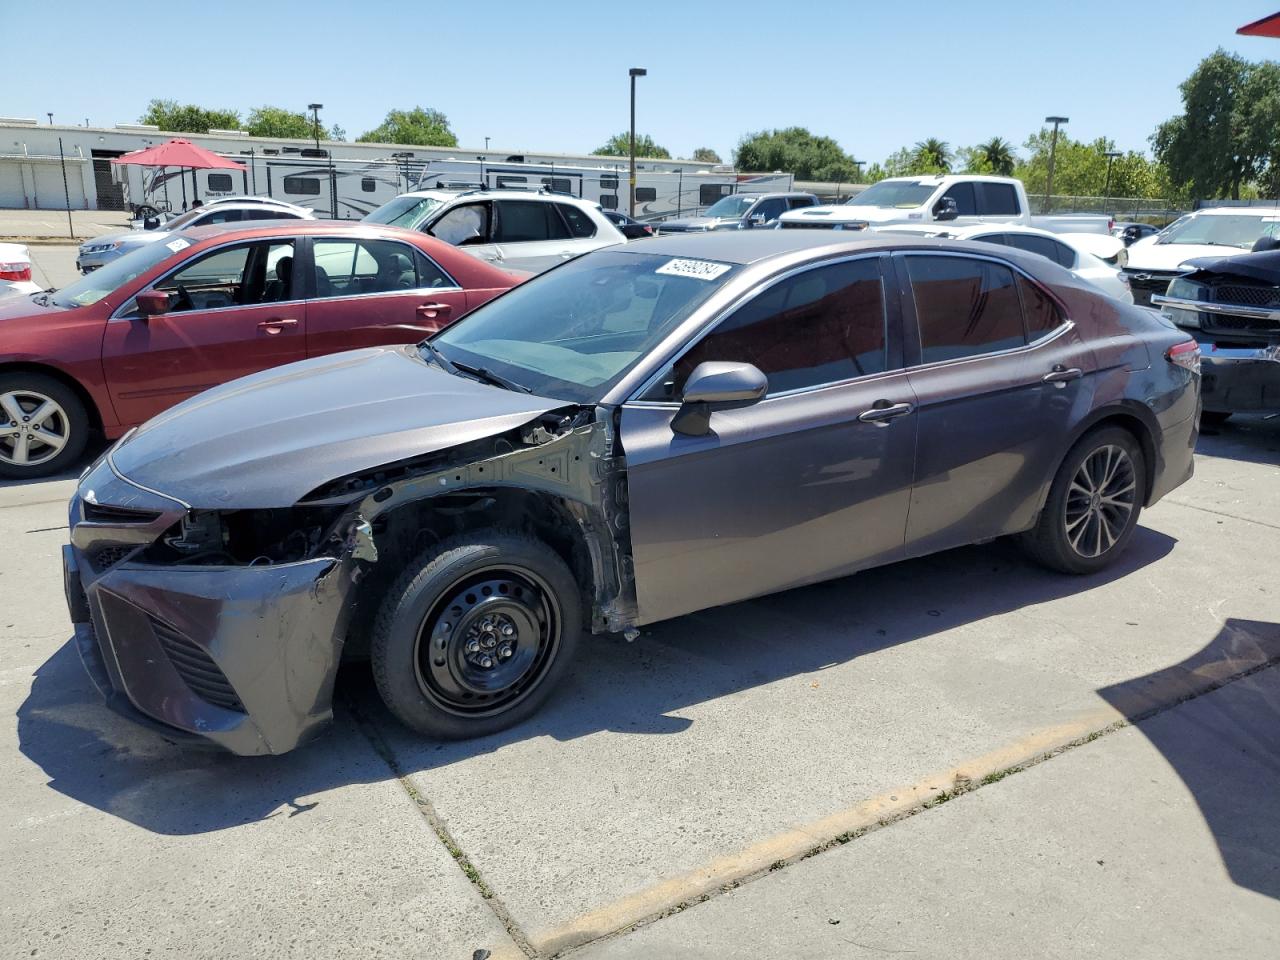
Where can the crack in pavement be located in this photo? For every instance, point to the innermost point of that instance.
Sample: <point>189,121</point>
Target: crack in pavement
<point>1220,513</point>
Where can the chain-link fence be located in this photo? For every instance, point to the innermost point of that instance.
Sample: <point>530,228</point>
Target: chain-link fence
<point>1158,211</point>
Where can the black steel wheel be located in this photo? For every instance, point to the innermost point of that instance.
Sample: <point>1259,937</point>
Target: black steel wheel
<point>1093,504</point>
<point>475,634</point>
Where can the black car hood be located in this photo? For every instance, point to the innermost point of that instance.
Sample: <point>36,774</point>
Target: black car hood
<point>268,439</point>
<point>1254,266</point>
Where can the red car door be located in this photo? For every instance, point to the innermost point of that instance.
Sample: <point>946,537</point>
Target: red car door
<point>233,311</point>
<point>368,292</point>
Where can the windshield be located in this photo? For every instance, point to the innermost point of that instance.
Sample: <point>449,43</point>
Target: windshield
<point>1231,231</point>
<point>92,287</point>
<point>730,207</point>
<point>573,332</point>
<point>894,193</point>
<point>403,211</point>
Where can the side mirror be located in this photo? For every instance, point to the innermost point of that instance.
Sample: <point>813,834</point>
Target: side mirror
<point>150,223</point>
<point>946,209</point>
<point>717,384</point>
<point>755,220</point>
<point>152,303</point>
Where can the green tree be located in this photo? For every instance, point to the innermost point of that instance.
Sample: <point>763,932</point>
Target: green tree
<point>419,127</point>
<point>268,121</point>
<point>1226,135</point>
<point>171,116</point>
<point>337,133</point>
<point>706,155</point>
<point>619,145</point>
<point>1080,169</point>
<point>797,151</point>
<point>934,155</point>
<point>995,156</point>
<point>914,162</point>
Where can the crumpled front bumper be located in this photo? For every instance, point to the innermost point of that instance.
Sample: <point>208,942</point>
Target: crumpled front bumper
<point>1240,380</point>
<point>240,656</point>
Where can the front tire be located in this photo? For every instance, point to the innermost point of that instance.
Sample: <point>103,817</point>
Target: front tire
<point>475,634</point>
<point>1093,504</point>
<point>43,426</point>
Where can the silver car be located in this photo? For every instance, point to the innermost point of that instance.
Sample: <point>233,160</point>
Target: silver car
<point>100,251</point>
<point>641,433</point>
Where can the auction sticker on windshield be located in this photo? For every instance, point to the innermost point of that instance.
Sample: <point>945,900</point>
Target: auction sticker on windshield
<point>698,269</point>
<point>179,244</point>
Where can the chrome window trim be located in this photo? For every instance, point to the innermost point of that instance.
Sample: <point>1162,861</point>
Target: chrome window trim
<point>426,291</point>
<point>741,300</point>
<point>1061,329</point>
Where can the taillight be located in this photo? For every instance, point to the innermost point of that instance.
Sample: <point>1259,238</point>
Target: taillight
<point>15,271</point>
<point>1185,355</point>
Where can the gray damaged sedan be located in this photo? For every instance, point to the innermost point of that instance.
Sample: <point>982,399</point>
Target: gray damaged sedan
<point>635,435</point>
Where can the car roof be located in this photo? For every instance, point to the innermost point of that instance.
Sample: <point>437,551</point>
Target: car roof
<point>275,228</point>
<point>550,197</point>
<point>1259,211</point>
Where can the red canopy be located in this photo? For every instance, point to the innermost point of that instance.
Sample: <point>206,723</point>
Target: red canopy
<point>178,153</point>
<point>1266,27</point>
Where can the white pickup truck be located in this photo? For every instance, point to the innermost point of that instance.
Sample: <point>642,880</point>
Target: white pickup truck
<point>965,198</point>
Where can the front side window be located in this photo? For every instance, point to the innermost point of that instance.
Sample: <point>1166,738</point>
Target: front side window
<point>464,225</point>
<point>964,307</point>
<point>821,326</point>
<point>730,208</point>
<point>575,331</point>
<point>346,268</point>
<point>240,275</point>
<point>962,194</point>
<point>770,210</point>
<point>220,216</point>
<point>527,221</point>
<point>1046,247</point>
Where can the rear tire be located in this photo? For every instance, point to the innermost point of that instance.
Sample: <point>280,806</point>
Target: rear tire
<point>475,634</point>
<point>1093,504</point>
<point>43,425</point>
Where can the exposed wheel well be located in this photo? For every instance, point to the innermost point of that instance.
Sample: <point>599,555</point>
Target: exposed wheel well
<point>1142,433</point>
<point>95,415</point>
<point>404,533</point>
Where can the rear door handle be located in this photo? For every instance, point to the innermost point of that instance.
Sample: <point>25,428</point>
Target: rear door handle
<point>274,327</point>
<point>431,311</point>
<point>882,411</point>
<point>1060,374</point>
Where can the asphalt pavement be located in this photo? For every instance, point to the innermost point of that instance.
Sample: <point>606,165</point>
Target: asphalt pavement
<point>962,754</point>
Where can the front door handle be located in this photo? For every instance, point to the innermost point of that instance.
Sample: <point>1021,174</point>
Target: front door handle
<point>273,327</point>
<point>433,311</point>
<point>882,411</point>
<point>1060,374</point>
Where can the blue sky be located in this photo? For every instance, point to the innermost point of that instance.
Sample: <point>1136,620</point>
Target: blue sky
<point>535,76</point>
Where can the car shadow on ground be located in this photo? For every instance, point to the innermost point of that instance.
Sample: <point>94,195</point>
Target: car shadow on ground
<point>1251,438</point>
<point>92,450</point>
<point>1225,747</point>
<point>637,688</point>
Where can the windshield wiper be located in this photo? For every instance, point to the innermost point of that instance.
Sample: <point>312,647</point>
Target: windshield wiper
<point>448,365</point>
<point>488,376</point>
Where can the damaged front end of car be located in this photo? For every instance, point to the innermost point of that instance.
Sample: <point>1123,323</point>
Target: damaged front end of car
<point>228,625</point>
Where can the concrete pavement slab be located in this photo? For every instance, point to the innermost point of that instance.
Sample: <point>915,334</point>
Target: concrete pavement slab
<point>115,844</point>
<point>723,739</point>
<point>53,265</point>
<point>1159,841</point>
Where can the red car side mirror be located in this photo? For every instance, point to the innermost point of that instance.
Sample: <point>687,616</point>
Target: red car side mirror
<point>152,303</point>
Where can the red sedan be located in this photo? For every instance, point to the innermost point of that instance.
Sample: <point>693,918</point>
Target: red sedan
<point>206,306</point>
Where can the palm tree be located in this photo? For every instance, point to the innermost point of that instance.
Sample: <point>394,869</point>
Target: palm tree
<point>999,155</point>
<point>933,154</point>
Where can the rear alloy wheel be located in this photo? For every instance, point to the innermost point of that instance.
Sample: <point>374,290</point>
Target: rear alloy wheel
<point>1093,505</point>
<point>475,634</point>
<point>43,426</point>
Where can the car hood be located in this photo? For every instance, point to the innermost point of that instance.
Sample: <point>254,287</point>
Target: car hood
<point>838,213</point>
<point>269,439</point>
<point>692,223</point>
<point>15,307</point>
<point>1148,255</point>
<point>131,237</point>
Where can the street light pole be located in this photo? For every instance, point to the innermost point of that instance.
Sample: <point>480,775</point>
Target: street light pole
<point>315,109</point>
<point>1053,149</point>
<point>1106,191</point>
<point>634,72</point>
<point>486,144</point>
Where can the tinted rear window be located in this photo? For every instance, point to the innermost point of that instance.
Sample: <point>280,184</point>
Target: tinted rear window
<point>964,307</point>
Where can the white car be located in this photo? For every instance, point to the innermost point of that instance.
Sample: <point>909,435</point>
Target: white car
<point>1216,232</point>
<point>15,270</point>
<point>509,228</point>
<point>1093,257</point>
